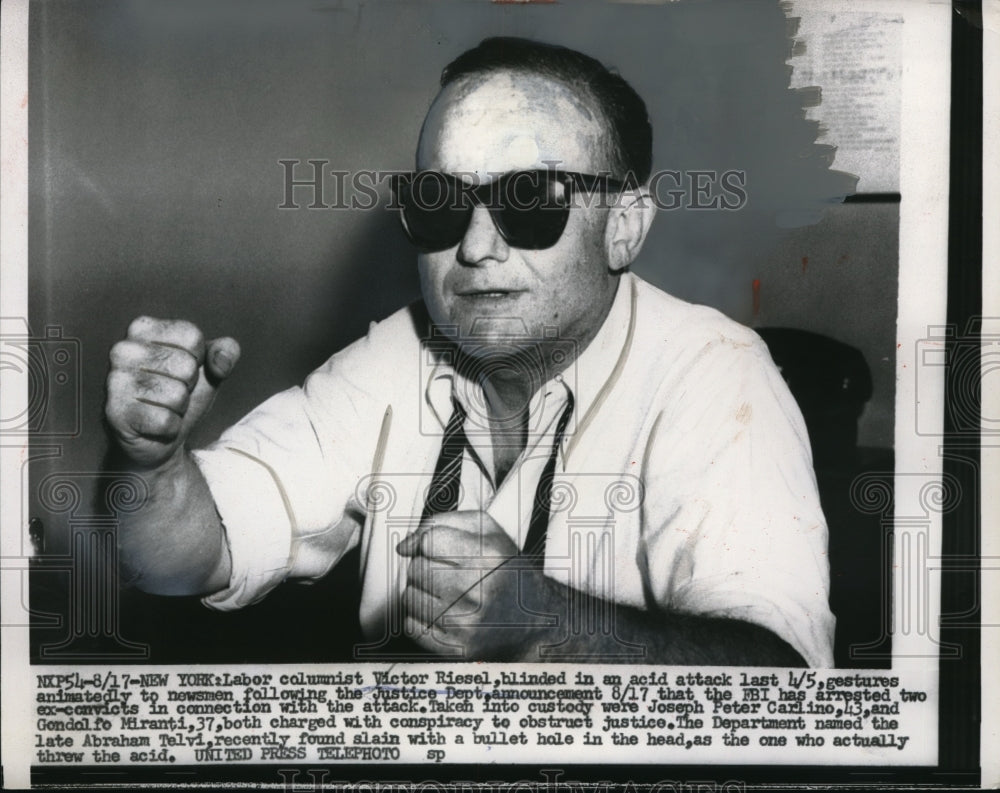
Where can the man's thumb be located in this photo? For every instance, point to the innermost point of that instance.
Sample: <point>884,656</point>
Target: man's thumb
<point>221,356</point>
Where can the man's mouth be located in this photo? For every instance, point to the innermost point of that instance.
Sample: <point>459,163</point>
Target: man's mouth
<point>487,294</point>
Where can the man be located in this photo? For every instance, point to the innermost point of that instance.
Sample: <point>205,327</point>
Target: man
<point>546,459</point>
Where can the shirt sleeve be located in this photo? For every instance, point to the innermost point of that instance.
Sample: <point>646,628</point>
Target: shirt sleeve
<point>740,532</point>
<point>285,478</point>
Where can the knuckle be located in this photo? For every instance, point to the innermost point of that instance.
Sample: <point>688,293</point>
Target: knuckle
<point>178,332</point>
<point>186,334</point>
<point>140,327</point>
<point>158,421</point>
<point>186,369</point>
<point>170,362</point>
<point>120,385</point>
<point>119,354</point>
<point>172,393</point>
<point>145,382</point>
<point>160,358</point>
<point>115,380</point>
<point>178,392</point>
<point>129,354</point>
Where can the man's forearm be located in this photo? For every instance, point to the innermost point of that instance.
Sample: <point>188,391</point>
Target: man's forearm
<point>623,634</point>
<point>175,544</point>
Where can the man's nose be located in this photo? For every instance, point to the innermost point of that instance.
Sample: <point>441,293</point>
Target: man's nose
<point>482,241</point>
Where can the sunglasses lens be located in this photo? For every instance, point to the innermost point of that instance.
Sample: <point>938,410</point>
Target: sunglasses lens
<point>534,211</point>
<point>435,213</point>
<point>530,208</point>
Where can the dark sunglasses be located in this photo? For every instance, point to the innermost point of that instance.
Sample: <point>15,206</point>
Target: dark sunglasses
<point>529,208</point>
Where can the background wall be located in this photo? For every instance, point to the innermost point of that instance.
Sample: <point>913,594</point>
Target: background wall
<point>157,131</point>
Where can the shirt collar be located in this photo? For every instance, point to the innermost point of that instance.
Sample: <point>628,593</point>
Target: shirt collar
<point>589,377</point>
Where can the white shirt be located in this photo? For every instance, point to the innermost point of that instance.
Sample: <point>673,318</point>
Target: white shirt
<point>684,478</point>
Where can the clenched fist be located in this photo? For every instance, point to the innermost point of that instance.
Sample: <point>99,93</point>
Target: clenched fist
<point>163,379</point>
<point>468,589</point>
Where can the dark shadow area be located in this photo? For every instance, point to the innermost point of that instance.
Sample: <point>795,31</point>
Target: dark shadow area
<point>302,623</point>
<point>831,383</point>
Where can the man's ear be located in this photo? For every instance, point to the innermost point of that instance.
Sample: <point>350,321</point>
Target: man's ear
<point>628,223</point>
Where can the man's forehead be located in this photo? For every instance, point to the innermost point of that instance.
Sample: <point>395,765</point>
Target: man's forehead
<point>506,121</point>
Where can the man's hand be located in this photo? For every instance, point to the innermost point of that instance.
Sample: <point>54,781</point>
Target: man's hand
<point>162,380</point>
<point>468,588</point>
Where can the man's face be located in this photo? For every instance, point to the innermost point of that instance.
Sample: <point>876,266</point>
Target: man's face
<point>494,124</point>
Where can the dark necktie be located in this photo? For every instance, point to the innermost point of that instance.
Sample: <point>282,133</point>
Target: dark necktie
<point>443,494</point>
<point>534,544</point>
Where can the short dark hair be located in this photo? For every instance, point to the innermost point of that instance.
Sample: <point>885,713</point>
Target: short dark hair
<point>623,109</point>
